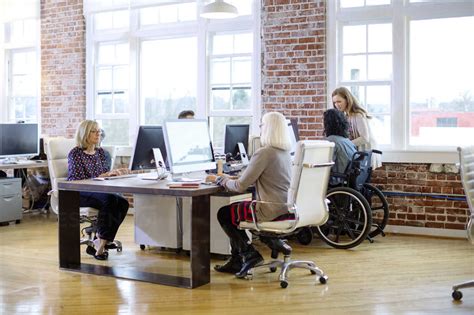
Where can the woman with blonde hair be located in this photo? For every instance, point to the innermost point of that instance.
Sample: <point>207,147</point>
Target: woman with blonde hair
<point>88,160</point>
<point>270,171</point>
<point>359,128</point>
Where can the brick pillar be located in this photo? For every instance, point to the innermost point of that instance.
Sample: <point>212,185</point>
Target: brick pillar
<point>63,69</point>
<point>294,62</point>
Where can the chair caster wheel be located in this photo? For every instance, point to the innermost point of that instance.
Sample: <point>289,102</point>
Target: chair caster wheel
<point>457,295</point>
<point>142,247</point>
<point>119,249</point>
<point>273,269</point>
<point>323,279</point>
<point>283,284</point>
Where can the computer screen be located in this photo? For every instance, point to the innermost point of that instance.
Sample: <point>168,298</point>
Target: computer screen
<point>18,139</point>
<point>188,145</point>
<point>148,137</point>
<point>233,135</point>
<point>293,132</point>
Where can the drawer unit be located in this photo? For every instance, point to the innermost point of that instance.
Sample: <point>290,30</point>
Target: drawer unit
<point>10,199</point>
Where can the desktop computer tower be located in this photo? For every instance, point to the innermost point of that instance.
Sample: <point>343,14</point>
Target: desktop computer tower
<point>219,240</point>
<point>157,221</point>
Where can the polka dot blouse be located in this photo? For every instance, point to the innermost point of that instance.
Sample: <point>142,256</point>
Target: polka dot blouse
<point>83,166</point>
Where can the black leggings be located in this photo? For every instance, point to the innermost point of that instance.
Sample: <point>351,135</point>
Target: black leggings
<point>112,211</point>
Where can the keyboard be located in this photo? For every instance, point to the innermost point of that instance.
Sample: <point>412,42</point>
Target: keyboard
<point>115,177</point>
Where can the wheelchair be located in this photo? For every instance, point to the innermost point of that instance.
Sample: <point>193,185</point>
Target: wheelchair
<point>357,209</point>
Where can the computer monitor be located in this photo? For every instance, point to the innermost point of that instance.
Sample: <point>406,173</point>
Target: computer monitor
<point>233,135</point>
<point>18,140</point>
<point>188,145</point>
<point>293,132</point>
<point>148,138</point>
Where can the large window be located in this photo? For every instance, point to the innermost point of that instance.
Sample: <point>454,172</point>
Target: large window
<point>149,60</point>
<point>409,63</point>
<point>19,69</point>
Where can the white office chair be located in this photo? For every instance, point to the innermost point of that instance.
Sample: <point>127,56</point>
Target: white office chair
<point>306,199</point>
<point>466,161</point>
<point>57,150</point>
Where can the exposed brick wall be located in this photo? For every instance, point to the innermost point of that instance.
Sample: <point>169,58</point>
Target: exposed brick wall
<point>294,61</point>
<point>63,75</point>
<point>422,211</point>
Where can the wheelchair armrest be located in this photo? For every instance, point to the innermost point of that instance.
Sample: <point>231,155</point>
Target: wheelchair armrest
<point>377,151</point>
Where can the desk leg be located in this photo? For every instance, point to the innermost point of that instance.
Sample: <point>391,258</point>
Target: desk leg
<point>200,241</point>
<point>69,239</point>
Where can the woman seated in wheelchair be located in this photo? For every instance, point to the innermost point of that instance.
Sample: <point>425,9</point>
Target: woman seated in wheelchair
<point>88,160</point>
<point>336,129</point>
<point>270,171</point>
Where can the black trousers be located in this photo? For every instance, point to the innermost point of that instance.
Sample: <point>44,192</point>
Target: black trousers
<point>112,211</point>
<point>239,241</point>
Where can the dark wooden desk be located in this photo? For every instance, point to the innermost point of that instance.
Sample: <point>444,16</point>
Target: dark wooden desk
<point>69,248</point>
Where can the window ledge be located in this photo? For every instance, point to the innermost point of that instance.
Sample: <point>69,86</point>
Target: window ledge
<point>420,157</point>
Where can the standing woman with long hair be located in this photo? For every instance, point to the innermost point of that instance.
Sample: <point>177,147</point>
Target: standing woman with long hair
<point>359,128</point>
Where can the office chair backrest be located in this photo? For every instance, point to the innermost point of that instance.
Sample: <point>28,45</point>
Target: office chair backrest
<point>308,185</point>
<point>57,150</point>
<point>466,159</point>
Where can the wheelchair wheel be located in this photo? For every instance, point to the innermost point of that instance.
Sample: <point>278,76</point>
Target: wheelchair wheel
<point>349,219</point>
<point>379,207</point>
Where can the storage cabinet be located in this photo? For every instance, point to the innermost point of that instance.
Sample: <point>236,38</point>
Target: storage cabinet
<point>10,200</point>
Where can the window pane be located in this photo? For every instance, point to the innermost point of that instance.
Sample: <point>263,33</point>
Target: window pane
<point>244,7</point>
<point>380,126</point>
<point>120,102</point>
<point>241,70</point>
<point>441,87</point>
<point>168,14</point>
<point>104,79</point>
<point>187,12</point>
<point>222,44</point>
<point>120,78</point>
<point>378,100</point>
<point>376,2</point>
<point>354,68</point>
<point>121,53</point>
<point>380,67</point>
<point>351,3</point>
<point>103,21</point>
<point>148,16</point>
<point>217,125</point>
<point>116,131</point>
<point>106,54</point>
<point>23,85</point>
<point>380,37</point>
<point>120,19</point>
<point>354,39</point>
<point>241,98</point>
<point>220,98</point>
<point>220,71</point>
<point>243,43</point>
<point>169,75</point>
<point>104,103</point>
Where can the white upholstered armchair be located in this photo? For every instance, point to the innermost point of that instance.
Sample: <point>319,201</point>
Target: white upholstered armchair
<point>306,200</point>
<point>466,161</point>
<point>57,150</point>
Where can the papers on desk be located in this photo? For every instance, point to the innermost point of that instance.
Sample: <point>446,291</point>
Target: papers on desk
<point>115,177</point>
<point>184,184</point>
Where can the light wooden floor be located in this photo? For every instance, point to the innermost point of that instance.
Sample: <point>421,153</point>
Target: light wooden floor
<point>396,274</point>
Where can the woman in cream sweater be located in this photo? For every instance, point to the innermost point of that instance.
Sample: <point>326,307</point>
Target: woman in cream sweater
<point>359,128</point>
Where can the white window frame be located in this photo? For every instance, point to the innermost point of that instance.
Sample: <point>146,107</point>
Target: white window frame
<point>6,51</point>
<point>400,13</point>
<point>135,35</point>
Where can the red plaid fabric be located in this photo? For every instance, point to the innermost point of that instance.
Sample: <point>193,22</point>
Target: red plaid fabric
<point>240,211</point>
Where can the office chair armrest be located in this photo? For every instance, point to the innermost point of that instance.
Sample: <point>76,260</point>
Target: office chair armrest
<point>291,209</point>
